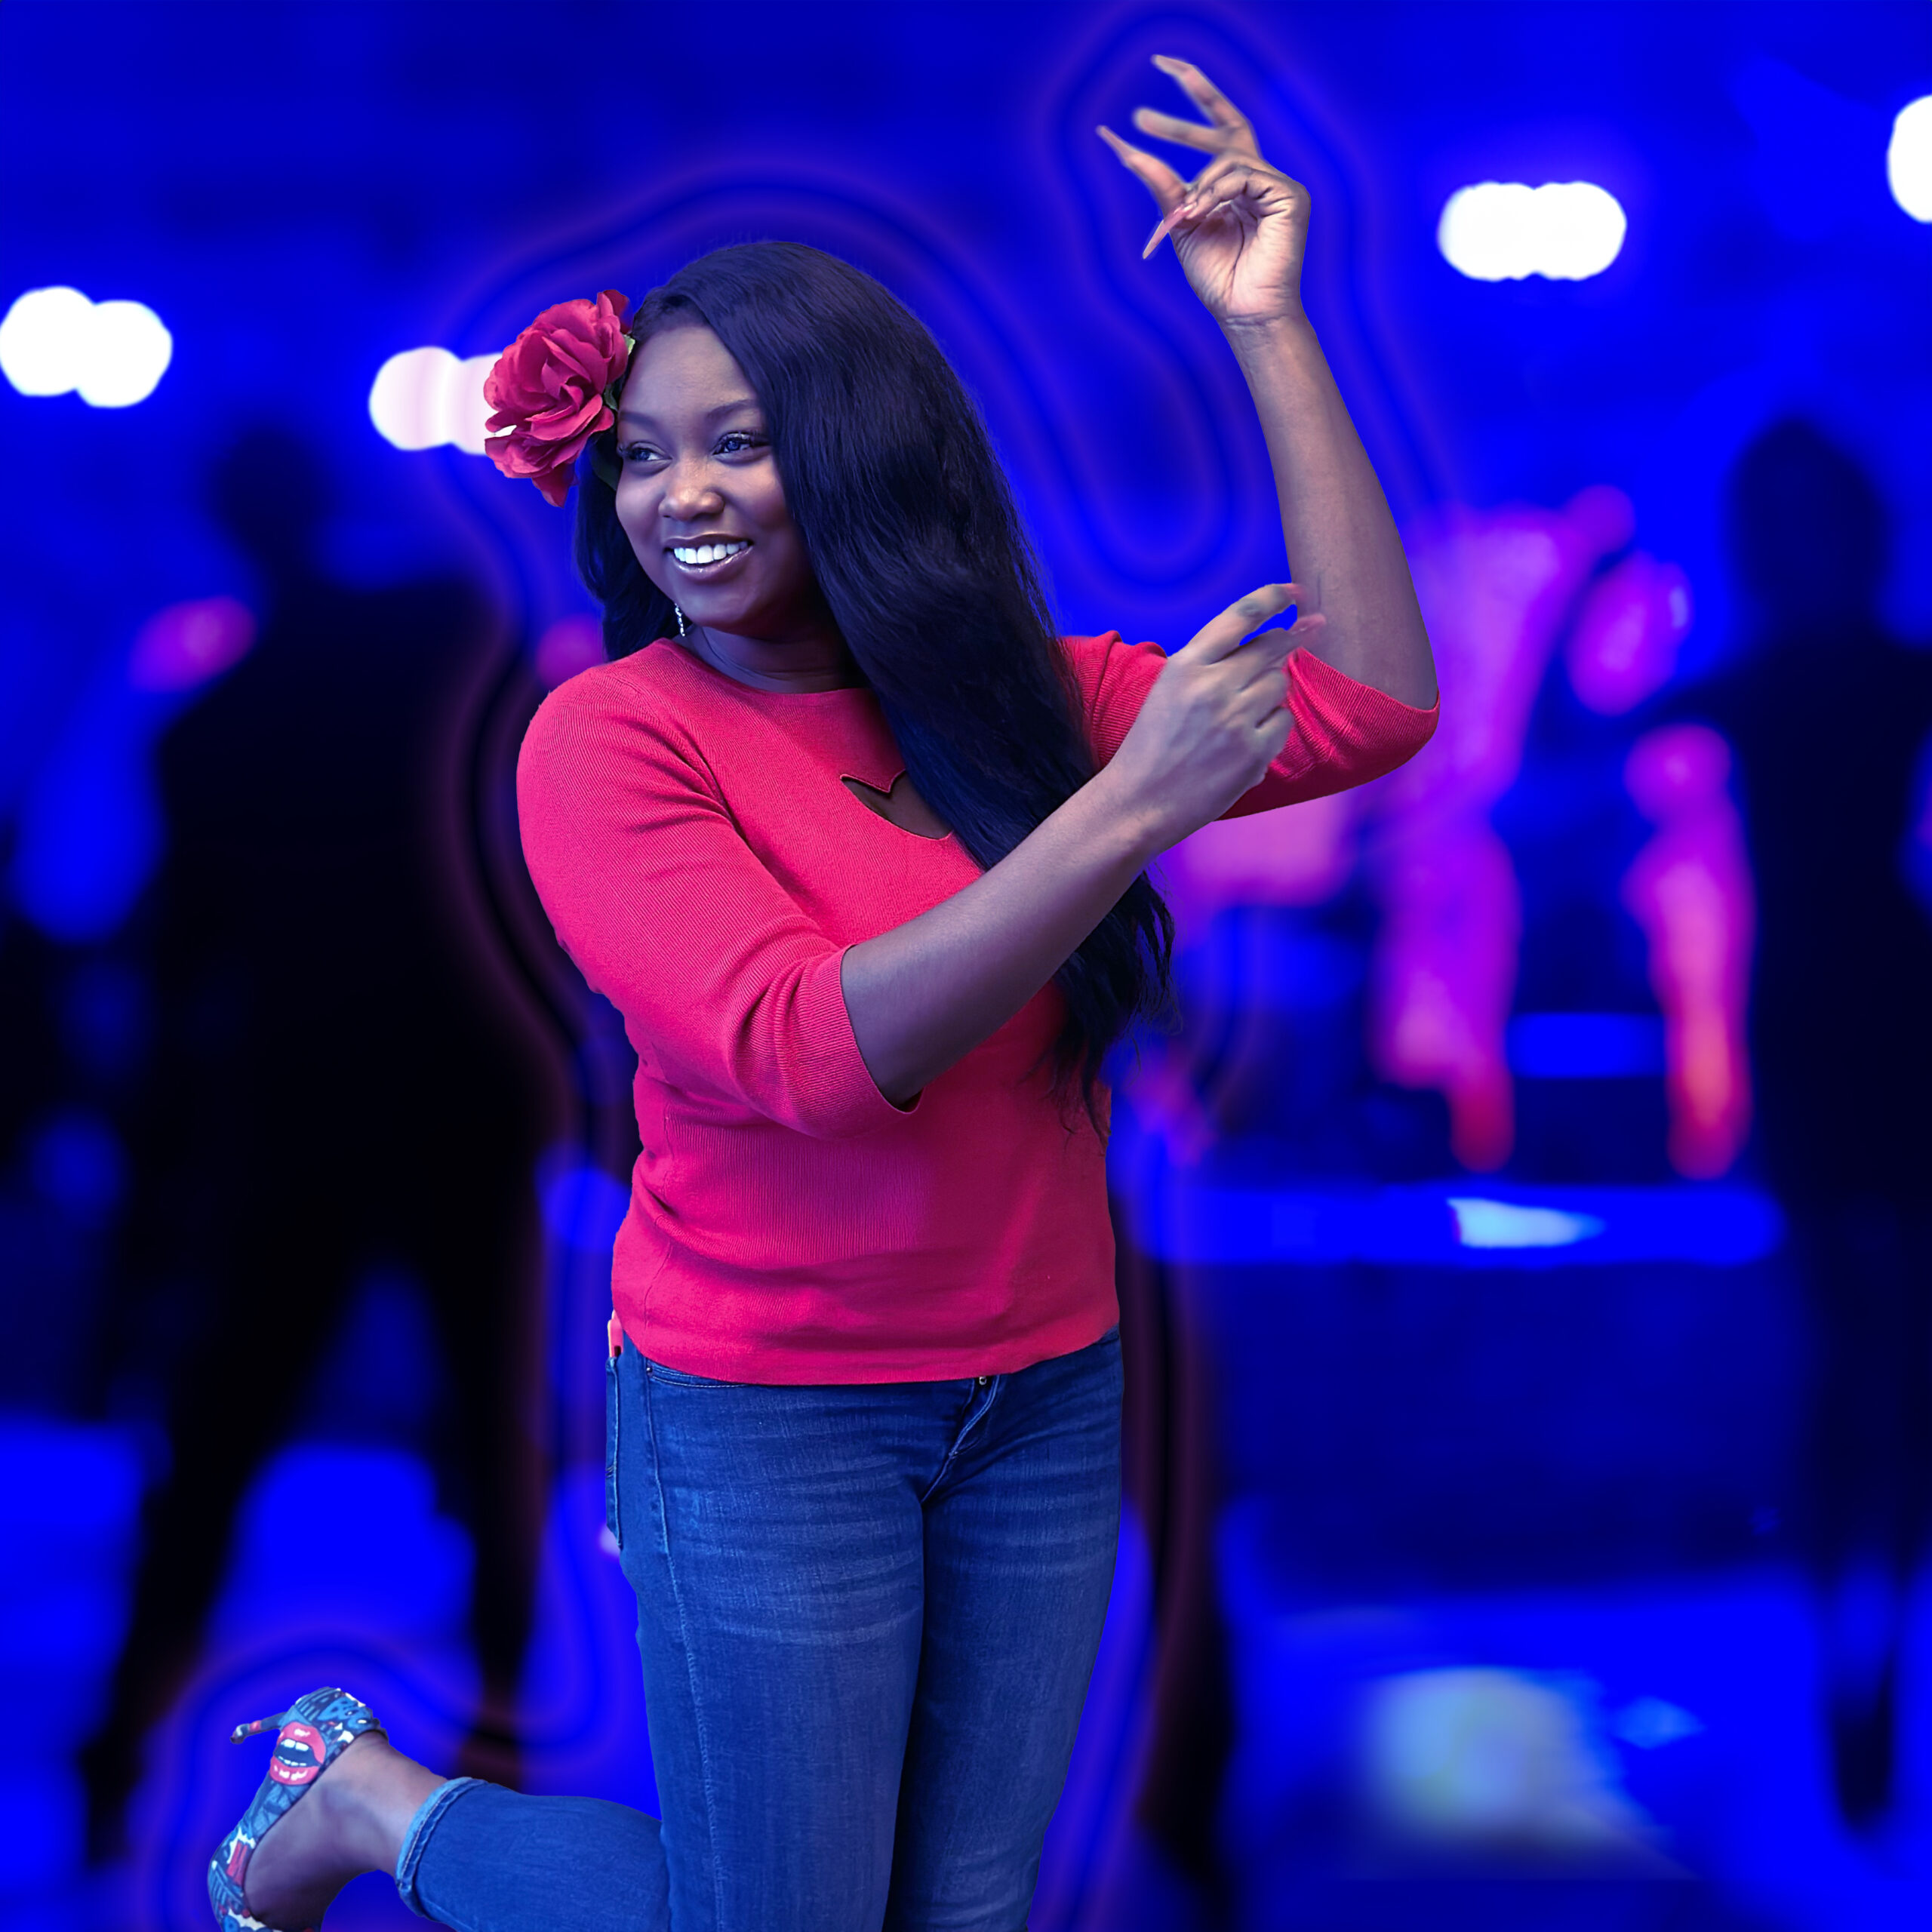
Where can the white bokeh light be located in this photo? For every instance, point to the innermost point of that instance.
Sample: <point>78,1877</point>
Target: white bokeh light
<point>1502,231</point>
<point>55,340</point>
<point>130,352</point>
<point>424,398</point>
<point>1908,158</point>
<point>42,340</point>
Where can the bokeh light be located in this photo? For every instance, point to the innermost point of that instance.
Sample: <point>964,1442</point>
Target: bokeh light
<point>1489,1757</point>
<point>1502,231</point>
<point>1908,158</point>
<point>1480,1223</point>
<point>422,399</point>
<point>55,340</point>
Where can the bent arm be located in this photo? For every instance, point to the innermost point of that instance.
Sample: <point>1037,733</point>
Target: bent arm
<point>728,986</point>
<point>924,995</point>
<point>1341,538</point>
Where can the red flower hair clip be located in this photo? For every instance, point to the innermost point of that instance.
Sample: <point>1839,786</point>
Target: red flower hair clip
<point>555,388</point>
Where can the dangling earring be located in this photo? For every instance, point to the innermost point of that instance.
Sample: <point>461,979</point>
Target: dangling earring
<point>680,616</point>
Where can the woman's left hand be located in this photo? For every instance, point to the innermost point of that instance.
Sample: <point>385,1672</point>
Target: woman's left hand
<point>1239,226</point>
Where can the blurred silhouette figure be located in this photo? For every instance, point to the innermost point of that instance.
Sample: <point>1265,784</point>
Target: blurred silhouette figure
<point>1828,716</point>
<point>1501,590</point>
<point>338,1084</point>
<point>1690,889</point>
<point>1497,588</point>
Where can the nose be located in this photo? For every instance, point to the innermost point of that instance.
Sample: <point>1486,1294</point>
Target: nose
<point>689,495</point>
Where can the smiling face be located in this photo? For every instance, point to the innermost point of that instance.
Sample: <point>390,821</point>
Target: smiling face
<point>699,495</point>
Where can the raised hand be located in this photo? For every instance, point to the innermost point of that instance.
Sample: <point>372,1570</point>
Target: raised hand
<point>1239,226</point>
<point>1215,720</point>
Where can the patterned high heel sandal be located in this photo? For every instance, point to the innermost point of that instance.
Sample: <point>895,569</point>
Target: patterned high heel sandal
<point>311,1734</point>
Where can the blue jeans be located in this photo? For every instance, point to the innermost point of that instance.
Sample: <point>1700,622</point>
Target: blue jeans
<point>867,1617</point>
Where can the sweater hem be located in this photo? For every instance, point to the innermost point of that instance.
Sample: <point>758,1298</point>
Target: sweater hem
<point>771,1362</point>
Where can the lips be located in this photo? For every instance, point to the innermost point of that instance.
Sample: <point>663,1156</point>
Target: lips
<point>703,573</point>
<point>300,1751</point>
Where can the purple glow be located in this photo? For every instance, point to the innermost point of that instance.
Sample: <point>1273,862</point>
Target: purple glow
<point>1496,587</point>
<point>188,643</point>
<point>570,645</point>
<point>1624,644</point>
<point>1690,889</point>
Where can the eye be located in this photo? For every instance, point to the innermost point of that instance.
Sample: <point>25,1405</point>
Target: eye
<point>743,439</point>
<point>635,453</point>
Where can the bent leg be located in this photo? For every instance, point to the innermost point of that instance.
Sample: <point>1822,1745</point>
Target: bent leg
<point>482,1859</point>
<point>1020,1536</point>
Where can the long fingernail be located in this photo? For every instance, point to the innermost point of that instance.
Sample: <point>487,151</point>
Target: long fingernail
<point>1165,226</point>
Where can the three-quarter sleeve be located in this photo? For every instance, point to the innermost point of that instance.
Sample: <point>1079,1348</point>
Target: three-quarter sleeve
<point>1345,732</point>
<point>666,910</point>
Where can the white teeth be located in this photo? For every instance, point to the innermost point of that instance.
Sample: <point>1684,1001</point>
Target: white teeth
<point>694,554</point>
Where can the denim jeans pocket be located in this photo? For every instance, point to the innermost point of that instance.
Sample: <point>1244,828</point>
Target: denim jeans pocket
<point>613,1396</point>
<point>678,1378</point>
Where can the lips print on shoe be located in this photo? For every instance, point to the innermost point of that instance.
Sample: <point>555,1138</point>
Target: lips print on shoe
<point>313,1732</point>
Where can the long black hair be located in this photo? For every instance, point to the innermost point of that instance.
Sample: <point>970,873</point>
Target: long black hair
<point>918,550</point>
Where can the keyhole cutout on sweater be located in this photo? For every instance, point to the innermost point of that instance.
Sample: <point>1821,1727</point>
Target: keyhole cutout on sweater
<point>902,806</point>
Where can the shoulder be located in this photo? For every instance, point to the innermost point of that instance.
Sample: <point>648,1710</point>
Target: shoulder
<point>641,694</point>
<point>633,713</point>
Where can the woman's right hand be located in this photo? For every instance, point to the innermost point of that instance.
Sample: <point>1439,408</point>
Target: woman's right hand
<point>1214,722</point>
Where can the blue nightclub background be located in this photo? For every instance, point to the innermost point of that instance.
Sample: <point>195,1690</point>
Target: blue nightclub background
<point>1523,1252</point>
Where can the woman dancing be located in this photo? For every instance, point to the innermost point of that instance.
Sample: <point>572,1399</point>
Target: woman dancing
<point>857,845</point>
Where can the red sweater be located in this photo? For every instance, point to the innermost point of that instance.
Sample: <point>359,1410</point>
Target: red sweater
<point>704,868</point>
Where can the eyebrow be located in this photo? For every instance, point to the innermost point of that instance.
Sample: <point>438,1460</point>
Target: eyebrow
<point>710,415</point>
